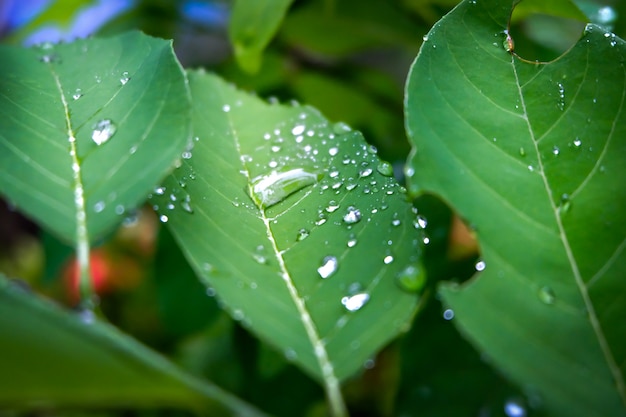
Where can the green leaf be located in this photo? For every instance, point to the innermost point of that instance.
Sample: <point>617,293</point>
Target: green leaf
<point>57,102</point>
<point>350,26</point>
<point>272,200</point>
<point>531,154</point>
<point>51,356</point>
<point>561,8</point>
<point>252,26</point>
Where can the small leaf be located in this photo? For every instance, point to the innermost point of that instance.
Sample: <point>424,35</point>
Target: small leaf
<point>81,124</point>
<point>51,356</point>
<point>253,25</point>
<point>295,229</point>
<point>531,154</point>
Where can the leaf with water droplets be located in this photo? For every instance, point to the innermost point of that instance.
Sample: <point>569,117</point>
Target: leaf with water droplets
<point>546,200</point>
<point>87,128</point>
<point>271,184</point>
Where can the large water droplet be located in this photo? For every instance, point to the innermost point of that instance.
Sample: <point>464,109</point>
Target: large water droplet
<point>298,130</point>
<point>273,188</point>
<point>385,168</point>
<point>355,302</point>
<point>329,267</point>
<point>420,222</point>
<point>546,295</point>
<point>352,216</point>
<point>103,131</point>
<point>412,278</point>
<point>480,266</point>
<point>448,314</point>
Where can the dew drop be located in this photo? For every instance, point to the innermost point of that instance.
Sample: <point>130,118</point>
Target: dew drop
<point>480,266</point>
<point>546,295</point>
<point>366,172</point>
<point>186,204</point>
<point>555,150</point>
<point>522,151</point>
<point>163,218</point>
<point>388,259</point>
<point>226,108</point>
<point>351,242</point>
<point>396,222</point>
<point>273,188</point>
<point>512,408</point>
<point>385,168</point>
<point>103,131</point>
<point>332,206</point>
<point>565,203</point>
<point>448,314</point>
<point>333,151</point>
<point>98,207</point>
<point>125,78</point>
<point>77,94</point>
<point>298,130</point>
<point>329,267</point>
<point>352,216</point>
<point>425,38</point>
<point>302,234</point>
<point>420,222</point>
<point>355,302</point>
<point>578,142</point>
<point>341,127</point>
<point>412,278</point>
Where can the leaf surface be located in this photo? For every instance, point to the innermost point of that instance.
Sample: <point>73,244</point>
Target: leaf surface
<point>88,128</point>
<point>51,356</point>
<point>252,26</point>
<point>531,154</point>
<point>272,200</point>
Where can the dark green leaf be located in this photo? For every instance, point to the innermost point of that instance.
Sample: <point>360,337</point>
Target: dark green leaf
<point>51,356</point>
<point>532,156</point>
<point>88,128</point>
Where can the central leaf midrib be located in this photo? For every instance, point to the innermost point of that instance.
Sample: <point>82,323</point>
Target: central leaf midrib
<point>593,318</point>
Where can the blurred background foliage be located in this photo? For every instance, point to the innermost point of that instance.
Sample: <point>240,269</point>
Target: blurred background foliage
<point>349,58</point>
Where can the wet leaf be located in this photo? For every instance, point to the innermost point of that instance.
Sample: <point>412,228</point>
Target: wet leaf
<point>80,126</point>
<point>531,155</point>
<point>293,226</point>
<point>54,357</point>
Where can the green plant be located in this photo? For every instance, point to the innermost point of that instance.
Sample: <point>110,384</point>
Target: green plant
<point>303,233</point>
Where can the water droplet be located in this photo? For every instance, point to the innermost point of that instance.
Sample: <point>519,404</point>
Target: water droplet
<point>577,142</point>
<point>351,242</point>
<point>125,78</point>
<point>333,151</point>
<point>412,278</point>
<point>522,151</point>
<point>561,103</point>
<point>396,222</point>
<point>425,38</point>
<point>273,188</point>
<point>366,172</point>
<point>341,127</point>
<point>260,258</point>
<point>565,203</point>
<point>329,267</point>
<point>385,168</point>
<point>298,130</point>
<point>355,302</point>
<point>513,408</point>
<point>420,222</point>
<point>448,314</point>
<point>546,295</point>
<point>77,94</point>
<point>352,216</point>
<point>226,108</point>
<point>480,266</point>
<point>332,206</point>
<point>302,234</point>
<point>388,259</point>
<point>369,364</point>
<point>87,316</point>
<point>98,207</point>
<point>290,355</point>
<point>103,131</point>
<point>210,291</point>
<point>159,190</point>
<point>163,218</point>
<point>555,150</point>
<point>186,204</point>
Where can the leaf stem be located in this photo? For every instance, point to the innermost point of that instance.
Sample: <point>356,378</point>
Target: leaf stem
<point>82,238</point>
